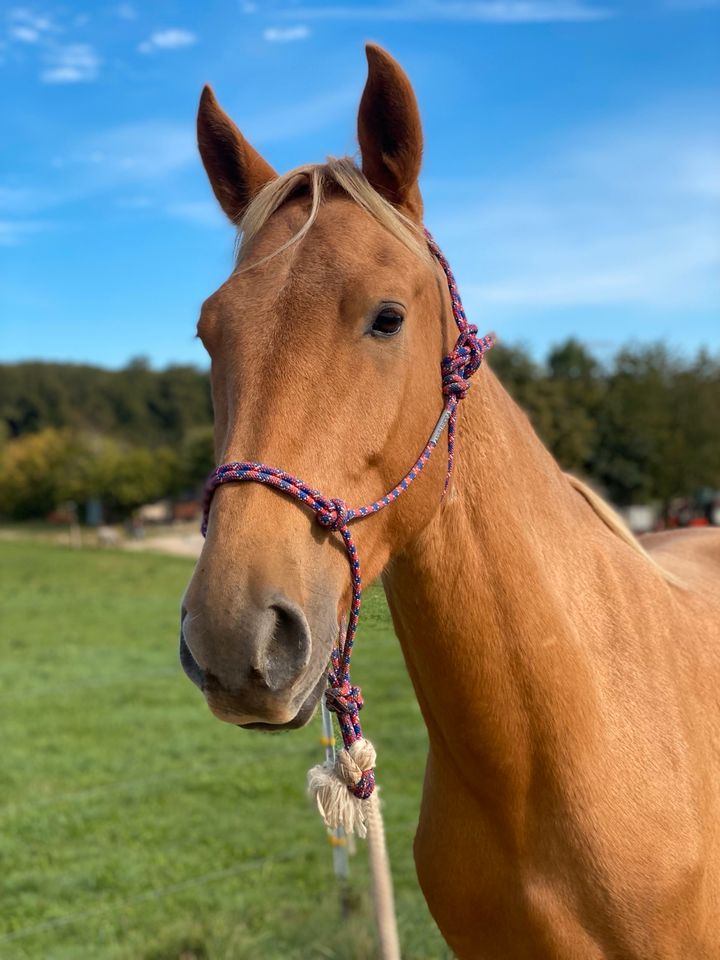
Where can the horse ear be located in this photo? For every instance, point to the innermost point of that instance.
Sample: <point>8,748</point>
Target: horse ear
<point>390,133</point>
<point>236,170</point>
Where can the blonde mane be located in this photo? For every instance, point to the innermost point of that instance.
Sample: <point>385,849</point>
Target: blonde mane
<point>315,179</point>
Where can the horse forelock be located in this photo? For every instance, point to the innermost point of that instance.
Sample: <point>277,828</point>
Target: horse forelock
<point>318,182</point>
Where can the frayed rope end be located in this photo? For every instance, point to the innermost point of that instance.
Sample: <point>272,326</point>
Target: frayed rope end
<point>331,785</point>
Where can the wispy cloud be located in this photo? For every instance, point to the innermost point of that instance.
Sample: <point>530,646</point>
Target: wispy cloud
<point>30,18</point>
<point>174,38</point>
<point>14,232</point>
<point>59,62</point>
<point>144,166</point>
<point>481,11</point>
<point>688,5</point>
<point>25,26</point>
<point>24,33</point>
<point>71,63</point>
<point>202,213</point>
<point>16,199</point>
<point>126,11</point>
<point>299,119</point>
<point>625,214</point>
<point>135,151</point>
<point>286,34</point>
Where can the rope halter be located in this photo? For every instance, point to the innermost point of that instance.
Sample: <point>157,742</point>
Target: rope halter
<point>341,788</point>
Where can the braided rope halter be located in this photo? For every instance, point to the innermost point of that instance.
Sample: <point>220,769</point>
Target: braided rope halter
<point>352,775</point>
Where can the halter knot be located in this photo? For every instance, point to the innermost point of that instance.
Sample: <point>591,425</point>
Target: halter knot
<point>455,385</point>
<point>344,699</point>
<point>333,514</point>
<point>356,768</point>
<point>364,787</point>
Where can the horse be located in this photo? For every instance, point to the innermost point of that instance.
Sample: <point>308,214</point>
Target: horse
<point>568,675</point>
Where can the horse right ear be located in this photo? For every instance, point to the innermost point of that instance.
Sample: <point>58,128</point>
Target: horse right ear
<point>236,170</point>
<point>390,133</point>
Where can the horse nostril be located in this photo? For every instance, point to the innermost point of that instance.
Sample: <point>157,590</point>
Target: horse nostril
<point>285,652</point>
<point>262,649</point>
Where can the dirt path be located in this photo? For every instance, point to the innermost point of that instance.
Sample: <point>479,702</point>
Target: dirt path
<point>179,541</point>
<point>177,544</point>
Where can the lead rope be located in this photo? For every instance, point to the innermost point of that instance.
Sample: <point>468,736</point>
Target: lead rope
<point>344,788</point>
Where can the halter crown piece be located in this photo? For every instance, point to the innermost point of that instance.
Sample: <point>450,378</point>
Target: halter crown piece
<point>341,787</point>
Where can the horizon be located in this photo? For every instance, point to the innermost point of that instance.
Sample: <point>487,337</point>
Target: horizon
<point>579,195</point>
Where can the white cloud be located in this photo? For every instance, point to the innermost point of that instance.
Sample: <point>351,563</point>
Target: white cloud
<point>286,34</point>
<point>174,38</point>
<point>24,34</point>
<point>72,63</point>
<point>481,11</point>
<point>28,27</point>
<point>26,16</point>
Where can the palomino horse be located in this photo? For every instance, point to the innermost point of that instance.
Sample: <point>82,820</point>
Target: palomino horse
<point>570,681</point>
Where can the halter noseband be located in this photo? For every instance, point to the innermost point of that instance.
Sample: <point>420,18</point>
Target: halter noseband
<point>457,368</point>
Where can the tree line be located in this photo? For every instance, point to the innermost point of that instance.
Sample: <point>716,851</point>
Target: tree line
<point>643,427</point>
<point>75,433</point>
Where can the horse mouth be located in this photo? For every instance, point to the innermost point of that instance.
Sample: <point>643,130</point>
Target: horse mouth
<point>301,718</point>
<point>223,705</point>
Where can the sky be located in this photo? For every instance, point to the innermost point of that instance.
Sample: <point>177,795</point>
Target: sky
<point>571,171</point>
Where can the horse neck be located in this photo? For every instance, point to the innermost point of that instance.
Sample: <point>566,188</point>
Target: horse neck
<point>483,600</point>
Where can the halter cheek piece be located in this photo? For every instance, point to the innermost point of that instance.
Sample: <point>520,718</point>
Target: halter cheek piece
<point>457,368</point>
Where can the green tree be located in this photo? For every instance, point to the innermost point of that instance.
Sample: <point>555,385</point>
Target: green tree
<point>197,457</point>
<point>576,390</point>
<point>40,471</point>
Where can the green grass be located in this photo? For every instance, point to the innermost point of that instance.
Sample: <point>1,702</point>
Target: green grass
<point>135,825</point>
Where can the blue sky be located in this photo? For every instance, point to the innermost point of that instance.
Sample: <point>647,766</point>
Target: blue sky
<point>572,166</point>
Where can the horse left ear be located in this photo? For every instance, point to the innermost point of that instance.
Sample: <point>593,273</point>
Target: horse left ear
<point>390,133</point>
<point>236,170</point>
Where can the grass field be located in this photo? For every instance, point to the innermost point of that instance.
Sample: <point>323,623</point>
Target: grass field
<point>135,825</point>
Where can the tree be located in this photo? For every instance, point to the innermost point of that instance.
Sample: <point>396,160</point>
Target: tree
<point>577,387</point>
<point>40,471</point>
<point>197,458</point>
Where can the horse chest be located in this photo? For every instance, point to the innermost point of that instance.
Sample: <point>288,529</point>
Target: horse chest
<point>564,897</point>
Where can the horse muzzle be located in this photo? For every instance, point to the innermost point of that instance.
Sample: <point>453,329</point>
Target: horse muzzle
<point>260,680</point>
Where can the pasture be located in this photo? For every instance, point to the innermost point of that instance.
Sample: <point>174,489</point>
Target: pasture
<point>135,825</point>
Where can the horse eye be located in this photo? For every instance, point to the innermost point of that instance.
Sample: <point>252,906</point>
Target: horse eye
<point>387,323</point>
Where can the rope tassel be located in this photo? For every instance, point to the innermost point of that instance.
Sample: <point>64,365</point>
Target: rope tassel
<point>340,789</point>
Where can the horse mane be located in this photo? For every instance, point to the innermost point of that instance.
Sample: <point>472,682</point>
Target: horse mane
<point>614,522</point>
<point>317,180</point>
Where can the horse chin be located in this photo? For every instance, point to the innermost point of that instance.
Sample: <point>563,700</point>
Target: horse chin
<point>301,718</point>
<point>225,712</point>
<point>224,707</point>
